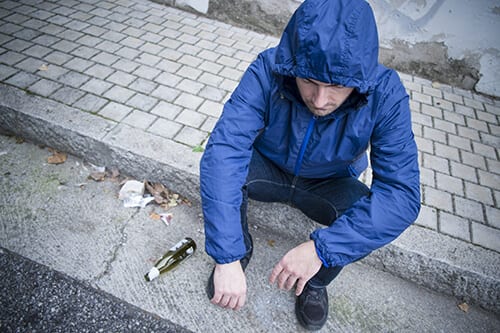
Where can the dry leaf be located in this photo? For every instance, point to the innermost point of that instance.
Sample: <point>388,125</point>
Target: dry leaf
<point>271,242</point>
<point>56,157</point>
<point>154,216</point>
<point>464,307</point>
<point>44,67</point>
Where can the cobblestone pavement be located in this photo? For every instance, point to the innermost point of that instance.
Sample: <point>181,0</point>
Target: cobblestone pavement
<point>167,73</point>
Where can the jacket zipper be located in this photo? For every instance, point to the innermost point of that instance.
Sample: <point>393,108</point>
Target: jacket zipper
<point>303,147</point>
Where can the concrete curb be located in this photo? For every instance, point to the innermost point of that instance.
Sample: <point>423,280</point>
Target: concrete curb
<point>425,257</point>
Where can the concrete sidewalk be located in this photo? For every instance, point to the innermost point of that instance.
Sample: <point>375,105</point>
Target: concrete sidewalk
<point>91,254</point>
<point>137,85</point>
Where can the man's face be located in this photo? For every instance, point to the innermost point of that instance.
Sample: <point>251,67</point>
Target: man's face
<point>322,98</point>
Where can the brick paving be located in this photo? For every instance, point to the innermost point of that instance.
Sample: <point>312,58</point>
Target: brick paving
<point>169,72</point>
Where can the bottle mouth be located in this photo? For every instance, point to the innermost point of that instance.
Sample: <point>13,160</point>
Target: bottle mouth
<point>152,274</point>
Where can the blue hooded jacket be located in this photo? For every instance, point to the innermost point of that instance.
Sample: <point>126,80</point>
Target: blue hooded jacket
<point>332,41</point>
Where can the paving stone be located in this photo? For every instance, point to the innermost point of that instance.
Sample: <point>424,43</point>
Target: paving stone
<point>170,54</point>
<point>6,71</point>
<point>90,103</point>
<point>17,45</point>
<point>483,149</point>
<point>73,79</point>
<point>105,58</point>
<point>37,51</point>
<point>115,111</point>
<point>446,126</point>
<point>113,36</point>
<point>211,108</point>
<point>486,236</point>
<point>189,101</point>
<point>454,117</point>
<point>212,93</point>
<point>463,171</point>
<point>85,52</point>
<point>427,217</point>
<point>11,57</point>
<point>436,163</point>
<point>27,34</point>
<point>44,87</point>
<point>229,84</point>
<point>67,95</point>
<point>166,110</point>
<point>450,184</point>
<point>487,116</point>
<point>96,86</point>
<point>189,72</point>
<point>442,104</point>
<point>425,145</point>
<point>58,58</point>
<point>477,124</point>
<point>431,111</point>
<point>190,136</point>
<point>493,216</point>
<point>455,98</point>
<point>148,59</point>
<point>211,67</point>
<point>142,102</point>
<point>78,64</point>
<point>438,199</point>
<point>467,132</point>
<point>479,193</point>
<point>165,128</point>
<point>166,93</point>
<point>190,86</point>
<point>469,209</point>
<point>230,73</point>
<point>151,48</point>
<point>428,177</point>
<point>446,151</point>
<point>493,165</point>
<point>473,160</point>
<point>139,119</point>
<point>454,226</point>
<point>168,79</point>
<point>473,103</point>
<point>209,124</point>
<point>489,179</point>
<point>121,78</point>
<point>99,71</point>
<point>132,42</point>
<point>191,118</point>
<point>65,46</point>
<point>465,110</point>
<point>119,94</point>
<point>31,65</point>
<point>22,80</point>
<point>143,86</point>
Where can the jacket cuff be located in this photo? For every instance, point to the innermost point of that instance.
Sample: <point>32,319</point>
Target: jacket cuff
<point>318,252</point>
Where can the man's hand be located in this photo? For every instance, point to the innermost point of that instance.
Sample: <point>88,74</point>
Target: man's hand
<point>299,265</point>
<point>230,286</point>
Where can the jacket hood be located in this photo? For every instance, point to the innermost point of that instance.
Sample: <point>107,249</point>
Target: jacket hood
<point>333,41</point>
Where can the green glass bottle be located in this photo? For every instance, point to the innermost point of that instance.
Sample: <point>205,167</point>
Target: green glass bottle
<point>178,253</point>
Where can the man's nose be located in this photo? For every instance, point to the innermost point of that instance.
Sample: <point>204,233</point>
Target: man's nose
<point>320,99</point>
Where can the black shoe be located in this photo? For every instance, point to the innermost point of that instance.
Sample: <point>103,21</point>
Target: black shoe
<point>311,307</point>
<point>210,289</point>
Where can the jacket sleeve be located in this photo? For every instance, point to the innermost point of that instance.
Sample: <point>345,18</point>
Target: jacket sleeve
<point>224,165</point>
<point>393,202</point>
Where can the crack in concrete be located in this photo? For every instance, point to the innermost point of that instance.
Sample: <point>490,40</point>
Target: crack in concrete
<point>115,250</point>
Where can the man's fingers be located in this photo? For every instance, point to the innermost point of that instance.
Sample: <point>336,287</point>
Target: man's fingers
<point>300,287</point>
<point>233,303</point>
<point>275,273</point>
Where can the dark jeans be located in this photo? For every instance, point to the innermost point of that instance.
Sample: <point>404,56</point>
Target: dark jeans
<point>322,200</point>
